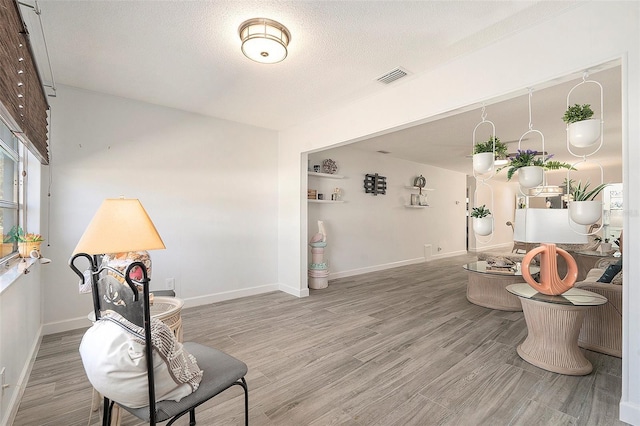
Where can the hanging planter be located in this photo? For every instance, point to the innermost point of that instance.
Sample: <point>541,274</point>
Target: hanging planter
<point>585,212</point>
<point>584,133</point>
<point>482,220</point>
<point>530,176</point>
<point>483,225</point>
<point>483,162</point>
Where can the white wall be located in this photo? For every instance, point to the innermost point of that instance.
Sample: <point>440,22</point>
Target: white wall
<point>209,185</point>
<point>20,330</point>
<point>370,232</point>
<point>607,30</point>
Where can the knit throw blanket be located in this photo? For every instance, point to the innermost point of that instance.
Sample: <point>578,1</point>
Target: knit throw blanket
<point>182,366</point>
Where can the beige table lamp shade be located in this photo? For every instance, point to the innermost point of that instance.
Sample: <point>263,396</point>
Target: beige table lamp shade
<point>119,225</point>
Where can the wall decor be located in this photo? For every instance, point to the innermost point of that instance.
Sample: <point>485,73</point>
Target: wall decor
<point>375,184</point>
<point>329,166</point>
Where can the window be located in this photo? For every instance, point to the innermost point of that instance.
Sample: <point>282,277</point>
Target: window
<point>9,196</point>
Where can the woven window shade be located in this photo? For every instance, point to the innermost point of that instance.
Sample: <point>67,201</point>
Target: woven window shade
<point>23,102</point>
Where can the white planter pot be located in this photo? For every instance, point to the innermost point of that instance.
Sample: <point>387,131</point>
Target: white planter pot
<point>584,133</point>
<point>483,162</point>
<point>530,176</point>
<point>585,212</point>
<point>483,225</point>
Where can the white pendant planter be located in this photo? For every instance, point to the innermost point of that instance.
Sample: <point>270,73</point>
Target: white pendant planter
<point>585,212</point>
<point>483,162</point>
<point>584,133</point>
<point>530,176</point>
<point>483,225</point>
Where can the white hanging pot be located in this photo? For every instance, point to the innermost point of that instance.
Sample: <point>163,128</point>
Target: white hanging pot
<point>585,212</point>
<point>584,133</point>
<point>483,162</point>
<point>530,176</point>
<point>483,225</point>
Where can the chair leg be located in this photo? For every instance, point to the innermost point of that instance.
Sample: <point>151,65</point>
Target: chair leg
<point>192,417</point>
<point>246,402</point>
<point>106,412</point>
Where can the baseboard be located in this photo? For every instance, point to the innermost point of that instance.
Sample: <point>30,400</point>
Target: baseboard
<point>228,295</point>
<point>505,246</point>
<point>298,292</point>
<point>630,413</point>
<point>16,397</point>
<point>66,325</point>
<point>375,268</point>
<point>449,254</point>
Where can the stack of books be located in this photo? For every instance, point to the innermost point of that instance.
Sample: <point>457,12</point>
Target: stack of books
<point>312,194</point>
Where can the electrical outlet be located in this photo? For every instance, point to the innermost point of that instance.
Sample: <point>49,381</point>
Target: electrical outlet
<point>170,283</point>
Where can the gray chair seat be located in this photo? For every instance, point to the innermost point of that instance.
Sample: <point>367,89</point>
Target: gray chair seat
<point>219,370</point>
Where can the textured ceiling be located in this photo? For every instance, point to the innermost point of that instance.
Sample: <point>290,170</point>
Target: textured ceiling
<point>186,55</point>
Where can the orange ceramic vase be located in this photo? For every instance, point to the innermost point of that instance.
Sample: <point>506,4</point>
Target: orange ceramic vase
<point>550,283</point>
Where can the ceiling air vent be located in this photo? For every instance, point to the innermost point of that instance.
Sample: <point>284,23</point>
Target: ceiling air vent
<point>392,76</point>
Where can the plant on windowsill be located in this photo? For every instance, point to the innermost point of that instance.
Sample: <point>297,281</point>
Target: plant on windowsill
<point>530,158</point>
<point>27,242</point>
<point>484,154</point>
<point>583,208</point>
<point>583,130</point>
<point>482,220</point>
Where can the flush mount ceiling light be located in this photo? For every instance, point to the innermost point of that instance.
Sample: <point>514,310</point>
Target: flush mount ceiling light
<point>264,40</point>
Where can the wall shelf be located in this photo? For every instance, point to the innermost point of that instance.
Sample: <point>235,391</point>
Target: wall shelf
<point>409,206</point>
<point>325,175</point>
<point>325,201</point>
<point>417,188</point>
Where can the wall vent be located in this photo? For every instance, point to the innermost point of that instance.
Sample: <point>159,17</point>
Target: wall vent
<point>392,76</point>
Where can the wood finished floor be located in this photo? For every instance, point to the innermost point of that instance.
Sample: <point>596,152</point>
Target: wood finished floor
<point>398,347</point>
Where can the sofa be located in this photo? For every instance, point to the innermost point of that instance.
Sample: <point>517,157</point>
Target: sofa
<point>602,326</point>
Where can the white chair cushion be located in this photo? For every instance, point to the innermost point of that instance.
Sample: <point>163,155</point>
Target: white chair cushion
<point>115,365</point>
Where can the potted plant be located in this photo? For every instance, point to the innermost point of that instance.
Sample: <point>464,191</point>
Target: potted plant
<point>484,154</point>
<point>530,166</point>
<point>27,242</point>
<point>605,246</point>
<point>583,208</point>
<point>583,130</point>
<point>482,220</point>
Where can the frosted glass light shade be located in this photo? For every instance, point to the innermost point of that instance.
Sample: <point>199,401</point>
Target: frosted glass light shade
<point>119,225</point>
<point>264,40</point>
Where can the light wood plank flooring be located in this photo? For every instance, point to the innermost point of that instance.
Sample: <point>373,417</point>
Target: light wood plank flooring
<point>398,347</point>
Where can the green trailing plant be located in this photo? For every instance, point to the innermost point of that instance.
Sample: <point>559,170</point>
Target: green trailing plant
<point>532,158</point>
<point>582,193</point>
<point>481,211</point>
<point>577,113</point>
<point>487,146</point>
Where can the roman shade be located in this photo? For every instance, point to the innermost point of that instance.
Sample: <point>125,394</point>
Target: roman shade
<point>23,102</point>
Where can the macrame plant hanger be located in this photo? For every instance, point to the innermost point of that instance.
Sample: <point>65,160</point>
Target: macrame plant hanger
<point>483,171</point>
<point>585,212</point>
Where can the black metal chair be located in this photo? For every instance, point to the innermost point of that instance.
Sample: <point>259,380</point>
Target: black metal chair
<point>131,300</point>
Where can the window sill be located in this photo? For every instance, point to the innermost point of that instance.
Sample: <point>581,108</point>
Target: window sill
<point>15,269</point>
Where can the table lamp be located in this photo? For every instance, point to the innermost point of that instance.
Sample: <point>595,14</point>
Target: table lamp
<point>119,225</point>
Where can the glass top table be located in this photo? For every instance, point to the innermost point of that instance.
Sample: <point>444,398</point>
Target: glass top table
<point>484,268</point>
<point>573,296</point>
<point>553,326</point>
